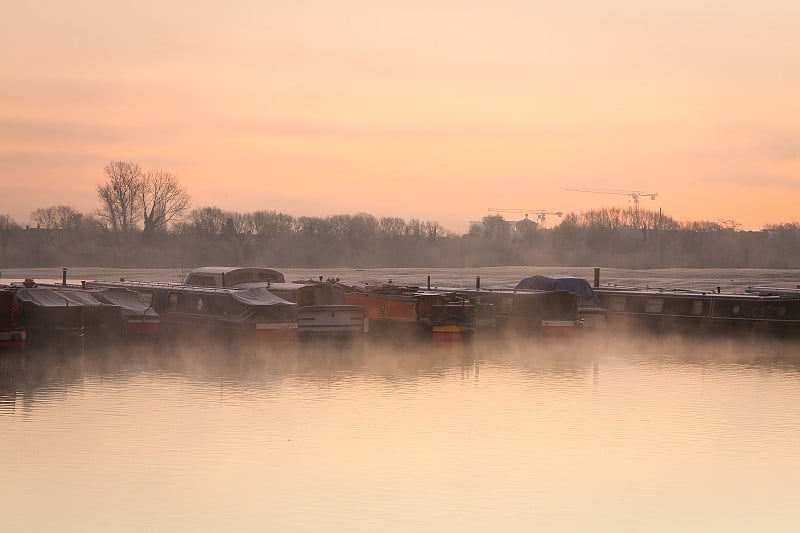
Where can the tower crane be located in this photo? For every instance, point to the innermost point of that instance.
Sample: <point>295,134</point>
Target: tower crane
<point>634,195</point>
<point>541,214</point>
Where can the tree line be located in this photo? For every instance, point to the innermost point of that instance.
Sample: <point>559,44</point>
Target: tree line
<point>145,219</point>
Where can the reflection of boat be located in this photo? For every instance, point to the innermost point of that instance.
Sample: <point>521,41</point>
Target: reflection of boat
<point>321,307</point>
<point>12,334</point>
<point>196,310</point>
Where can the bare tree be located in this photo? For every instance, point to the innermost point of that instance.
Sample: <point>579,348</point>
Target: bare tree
<point>7,224</point>
<point>120,195</point>
<point>161,199</point>
<point>392,226</point>
<point>271,225</point>
<point>208,221</point>
<point>496,227</point>
<point>57,217</point>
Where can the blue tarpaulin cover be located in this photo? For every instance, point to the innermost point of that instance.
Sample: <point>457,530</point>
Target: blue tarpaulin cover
<point>581,287</point>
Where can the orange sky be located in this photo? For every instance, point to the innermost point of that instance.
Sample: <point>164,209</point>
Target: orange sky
<point>411,109</point>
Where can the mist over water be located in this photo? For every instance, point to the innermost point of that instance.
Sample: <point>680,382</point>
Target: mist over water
<point>600,433</point>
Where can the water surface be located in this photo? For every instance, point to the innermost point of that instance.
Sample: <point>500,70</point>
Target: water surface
<point>599,434</point>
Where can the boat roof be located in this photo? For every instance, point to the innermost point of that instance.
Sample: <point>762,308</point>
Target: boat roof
<point>130,301</point>
<point>226,269</point>
<point>44,297</point>
<point>684,293</point>
<point>579,286</point>
<point>231,276</point>
<point>277,286</point>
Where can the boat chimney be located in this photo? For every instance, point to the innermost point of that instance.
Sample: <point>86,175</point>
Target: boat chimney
<point>122,279</point>
<point>596,278</point>
<point>63,277</point>
<point>478,283</point>
<point>429,283</point>
<point>83,284</point>
<point>717,290</point>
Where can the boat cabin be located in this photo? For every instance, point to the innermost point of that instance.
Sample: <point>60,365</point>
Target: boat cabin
<point>232,276</point>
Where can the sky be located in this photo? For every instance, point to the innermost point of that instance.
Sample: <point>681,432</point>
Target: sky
<point>415,109</point>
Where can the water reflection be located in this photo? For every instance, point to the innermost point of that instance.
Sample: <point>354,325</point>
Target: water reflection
<point>46,375</point>
<point>585,435</point>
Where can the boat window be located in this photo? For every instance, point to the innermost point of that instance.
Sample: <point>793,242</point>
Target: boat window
<point>781,310</point>
<point>172,301</point>
<point>238,276</point>
<point>654,305</point>
<point>616,303</point>
<point>201,280</point>
<point>735,310</point>
<point>214,305</point>
<point>189,303</point>
<point>697,307</point>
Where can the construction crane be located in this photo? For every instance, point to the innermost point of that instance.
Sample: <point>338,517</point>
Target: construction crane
<point>541,214</point>
<point>634,195</point>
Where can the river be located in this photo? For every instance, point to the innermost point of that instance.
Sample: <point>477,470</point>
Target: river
<point>595,434</point>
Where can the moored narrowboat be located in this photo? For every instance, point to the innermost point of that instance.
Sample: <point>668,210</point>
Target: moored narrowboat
<point>533,312</point>
<point>12,334</point>
<point>140,319</point>
<point>590,313</point>
<point>49,318</point>
<point>454,321</point>
<point>331,320</point>
<point>676,310</point>
<point>406,309</point>
<point>191,311</point>
<point>321,310</point>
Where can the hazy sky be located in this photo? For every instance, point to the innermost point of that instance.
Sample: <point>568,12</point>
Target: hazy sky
<point>434,110</point>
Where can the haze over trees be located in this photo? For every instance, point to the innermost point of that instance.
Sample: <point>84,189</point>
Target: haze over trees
<point>144,220</point>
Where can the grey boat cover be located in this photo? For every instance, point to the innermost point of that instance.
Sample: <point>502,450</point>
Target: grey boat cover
<point>271,286</point>
<point>582,289</point>
<point>258,296</point>
<point>129,301</point>
<point>49,298</point>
